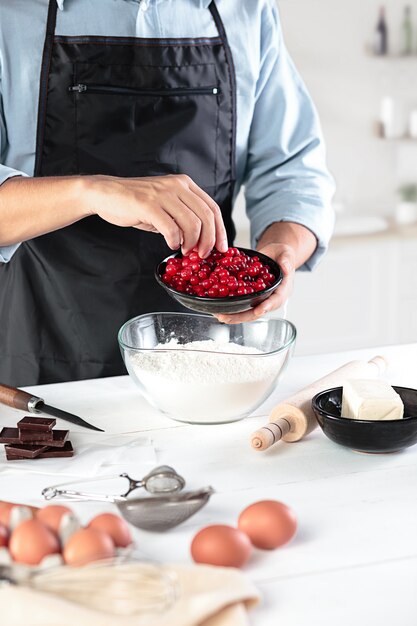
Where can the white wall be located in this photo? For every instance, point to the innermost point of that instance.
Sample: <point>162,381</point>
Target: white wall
<point>328,40</point>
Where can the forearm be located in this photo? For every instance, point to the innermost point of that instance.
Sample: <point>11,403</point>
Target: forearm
<point>299,238</point>
<point>30,207</point>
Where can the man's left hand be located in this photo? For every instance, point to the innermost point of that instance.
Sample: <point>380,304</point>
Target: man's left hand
<point>284,255</point>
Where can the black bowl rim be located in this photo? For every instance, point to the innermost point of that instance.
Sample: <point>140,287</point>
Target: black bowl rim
<point>339,418</point>
<point>237,299</point>
<point>291,341</point>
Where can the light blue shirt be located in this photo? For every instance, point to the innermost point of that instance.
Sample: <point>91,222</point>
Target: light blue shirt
<point>280,154</point>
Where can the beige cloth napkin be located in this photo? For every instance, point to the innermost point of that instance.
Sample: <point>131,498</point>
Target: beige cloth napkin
<point>209,596</point>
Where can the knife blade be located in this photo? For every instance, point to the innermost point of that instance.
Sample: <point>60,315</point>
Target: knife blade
<point>18,399</point>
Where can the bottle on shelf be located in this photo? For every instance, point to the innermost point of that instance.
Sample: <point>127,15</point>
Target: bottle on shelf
<point>407,33</point>
<point>381,34</point>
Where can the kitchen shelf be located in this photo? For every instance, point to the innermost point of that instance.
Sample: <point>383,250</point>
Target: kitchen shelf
<point>394,57</point>
<point>410,140</point>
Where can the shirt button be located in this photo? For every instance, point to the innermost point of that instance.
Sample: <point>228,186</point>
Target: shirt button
<point>143,5</point>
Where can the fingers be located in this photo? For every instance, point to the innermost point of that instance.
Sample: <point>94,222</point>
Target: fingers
<point>189,224</point>
<point>274,302</point>
<point>221,242</point>
<point>164,224</point>
<point>204,239</point>
<point>284,256</point>
<point>171,205</point>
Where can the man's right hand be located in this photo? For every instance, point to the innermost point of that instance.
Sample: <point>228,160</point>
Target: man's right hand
<point>173,206</point>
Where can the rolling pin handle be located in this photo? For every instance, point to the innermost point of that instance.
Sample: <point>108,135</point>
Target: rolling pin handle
<point>271,433</point>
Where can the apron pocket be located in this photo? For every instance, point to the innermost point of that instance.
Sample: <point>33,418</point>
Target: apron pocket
<point>165,126</point>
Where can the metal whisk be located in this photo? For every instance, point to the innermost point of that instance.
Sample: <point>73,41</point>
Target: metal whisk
<point>119,588</point>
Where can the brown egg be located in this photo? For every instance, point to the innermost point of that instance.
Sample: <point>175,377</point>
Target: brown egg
<point>51,515</point>
<point>12,514</point>
<point>5,510</point>
<point>269,524</point>
<point>4,536</point>
<point>221,545</point>
<point>87,545</point>
<point>114,526</point>
<point>31,541</point>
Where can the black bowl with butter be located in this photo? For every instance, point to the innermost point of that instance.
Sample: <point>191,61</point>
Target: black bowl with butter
<point>367,435</point>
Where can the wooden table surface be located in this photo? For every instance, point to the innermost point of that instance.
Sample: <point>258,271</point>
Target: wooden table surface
<point>354,559</point>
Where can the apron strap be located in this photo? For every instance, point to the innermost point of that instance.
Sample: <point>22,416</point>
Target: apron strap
<point>43,87</point>
<point>232,77</point>
<point>217,20</point>
<point>52,13</point>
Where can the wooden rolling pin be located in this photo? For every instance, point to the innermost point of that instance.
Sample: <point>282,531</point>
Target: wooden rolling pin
<point>294,418</point>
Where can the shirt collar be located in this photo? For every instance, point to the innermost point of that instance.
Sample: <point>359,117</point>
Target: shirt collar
<point>203,3</point>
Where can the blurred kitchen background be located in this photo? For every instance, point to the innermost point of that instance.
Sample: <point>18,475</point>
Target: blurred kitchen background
<point>359,61</point>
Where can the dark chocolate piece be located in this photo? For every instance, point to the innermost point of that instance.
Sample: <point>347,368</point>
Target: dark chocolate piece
<point>56,439</point>
<point>55,453</point>
<point>35,436</point>
<point>24,451</point>
<point>9,435</point>
<point>36,423</point>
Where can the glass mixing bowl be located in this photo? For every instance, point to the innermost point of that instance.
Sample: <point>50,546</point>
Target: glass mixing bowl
<point>198,385</point>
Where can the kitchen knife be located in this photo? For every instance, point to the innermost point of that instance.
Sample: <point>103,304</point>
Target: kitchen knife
<point>18,399</point>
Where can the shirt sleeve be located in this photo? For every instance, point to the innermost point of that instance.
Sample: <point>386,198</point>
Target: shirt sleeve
<point>6,252</point>
<point>286,179</point>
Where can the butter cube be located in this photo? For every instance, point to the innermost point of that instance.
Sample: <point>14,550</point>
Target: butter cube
<point>371,400</point>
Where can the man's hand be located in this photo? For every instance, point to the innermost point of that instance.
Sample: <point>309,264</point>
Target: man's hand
<point>285,257</point>
<point>290,245</point>
<point>173,206</point>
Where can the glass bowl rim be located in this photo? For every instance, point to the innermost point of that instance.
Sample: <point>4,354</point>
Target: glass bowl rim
<point>286,345</point>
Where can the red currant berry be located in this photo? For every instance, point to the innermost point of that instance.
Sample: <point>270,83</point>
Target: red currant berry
<point>186,274</point>
<point>171,269</point>
<point>223,291</point>
<point>213,292</point>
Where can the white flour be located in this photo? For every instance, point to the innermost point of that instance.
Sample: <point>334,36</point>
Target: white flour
<point>208,385</point>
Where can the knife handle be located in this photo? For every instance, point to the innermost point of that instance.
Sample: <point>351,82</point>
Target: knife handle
<point>16,398</point>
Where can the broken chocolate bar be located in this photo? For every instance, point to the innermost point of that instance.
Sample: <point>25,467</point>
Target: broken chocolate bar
<point>57,439</point>
<point>35,436</point>
<point>24,451</point>
<point>10,435</point>
<point>52,453</point>
<point>36,423</point>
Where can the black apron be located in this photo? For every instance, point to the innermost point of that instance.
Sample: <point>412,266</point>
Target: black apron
<point>124,107</point>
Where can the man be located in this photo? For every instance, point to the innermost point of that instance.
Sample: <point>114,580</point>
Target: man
<point>124,118</point>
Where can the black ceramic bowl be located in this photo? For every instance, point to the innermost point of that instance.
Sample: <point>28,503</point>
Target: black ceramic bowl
<point>365,435</point>
<point>233,304</point>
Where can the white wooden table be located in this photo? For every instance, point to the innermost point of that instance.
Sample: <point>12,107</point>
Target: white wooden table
<point>354,560</point>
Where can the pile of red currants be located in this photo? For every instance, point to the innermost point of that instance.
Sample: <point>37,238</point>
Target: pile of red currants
<point>220,275</point>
